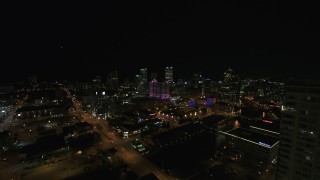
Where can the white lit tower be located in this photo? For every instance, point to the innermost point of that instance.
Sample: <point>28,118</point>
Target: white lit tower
<point>144,75</point>
<point>169,74</point>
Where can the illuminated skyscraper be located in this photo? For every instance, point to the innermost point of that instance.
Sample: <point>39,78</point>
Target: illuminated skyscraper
<point>228,75</point>
<point>299,154</point>
<point>141,83</point>
<point>231,86</point>
<point>153,88</point>
<point>144,75</point>
<point>159,90</point>
<point>169,74</point>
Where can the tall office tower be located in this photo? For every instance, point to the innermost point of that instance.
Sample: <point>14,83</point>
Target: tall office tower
<point>169,74</point>
<point>209,88</point>
<point>154,88</point>
<point>196,80</point>
<point>112,80</point>
<point>299,153</point>
<point>228,75</point>
<point>141,83</point>
<point>97,82</point>
<point>33,79</point>
<point>144,75</point>
<point>141,89</point>
<point>206,86</point>
<point>231,86</point>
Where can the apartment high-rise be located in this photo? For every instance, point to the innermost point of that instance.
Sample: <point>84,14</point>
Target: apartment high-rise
<point>299,152</point>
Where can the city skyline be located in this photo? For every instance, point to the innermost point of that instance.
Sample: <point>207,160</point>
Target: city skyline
<point>160,90</point>
<point>79,41</point>
<point>153,73</point>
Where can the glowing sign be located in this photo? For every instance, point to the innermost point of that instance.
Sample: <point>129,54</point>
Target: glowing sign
<point>210,101</point>
<point>264,144</point>
<point>192,103</point>
<point>266,121</point>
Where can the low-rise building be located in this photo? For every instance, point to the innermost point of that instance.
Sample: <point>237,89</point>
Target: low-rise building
<point>257,145</point>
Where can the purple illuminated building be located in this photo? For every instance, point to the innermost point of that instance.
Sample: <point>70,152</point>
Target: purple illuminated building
<point>160,90</point>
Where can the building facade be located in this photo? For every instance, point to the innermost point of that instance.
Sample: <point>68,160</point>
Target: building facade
<point>299,153</point>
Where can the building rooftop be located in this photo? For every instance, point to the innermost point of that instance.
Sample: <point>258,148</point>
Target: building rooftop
<point>180,133</point>
<point>270,125</point>
<point>256,137</point>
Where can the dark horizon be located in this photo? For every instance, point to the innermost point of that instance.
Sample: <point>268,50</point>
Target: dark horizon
<point>79,41</point>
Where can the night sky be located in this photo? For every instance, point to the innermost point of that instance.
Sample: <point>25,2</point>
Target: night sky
<point>80,40</point>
